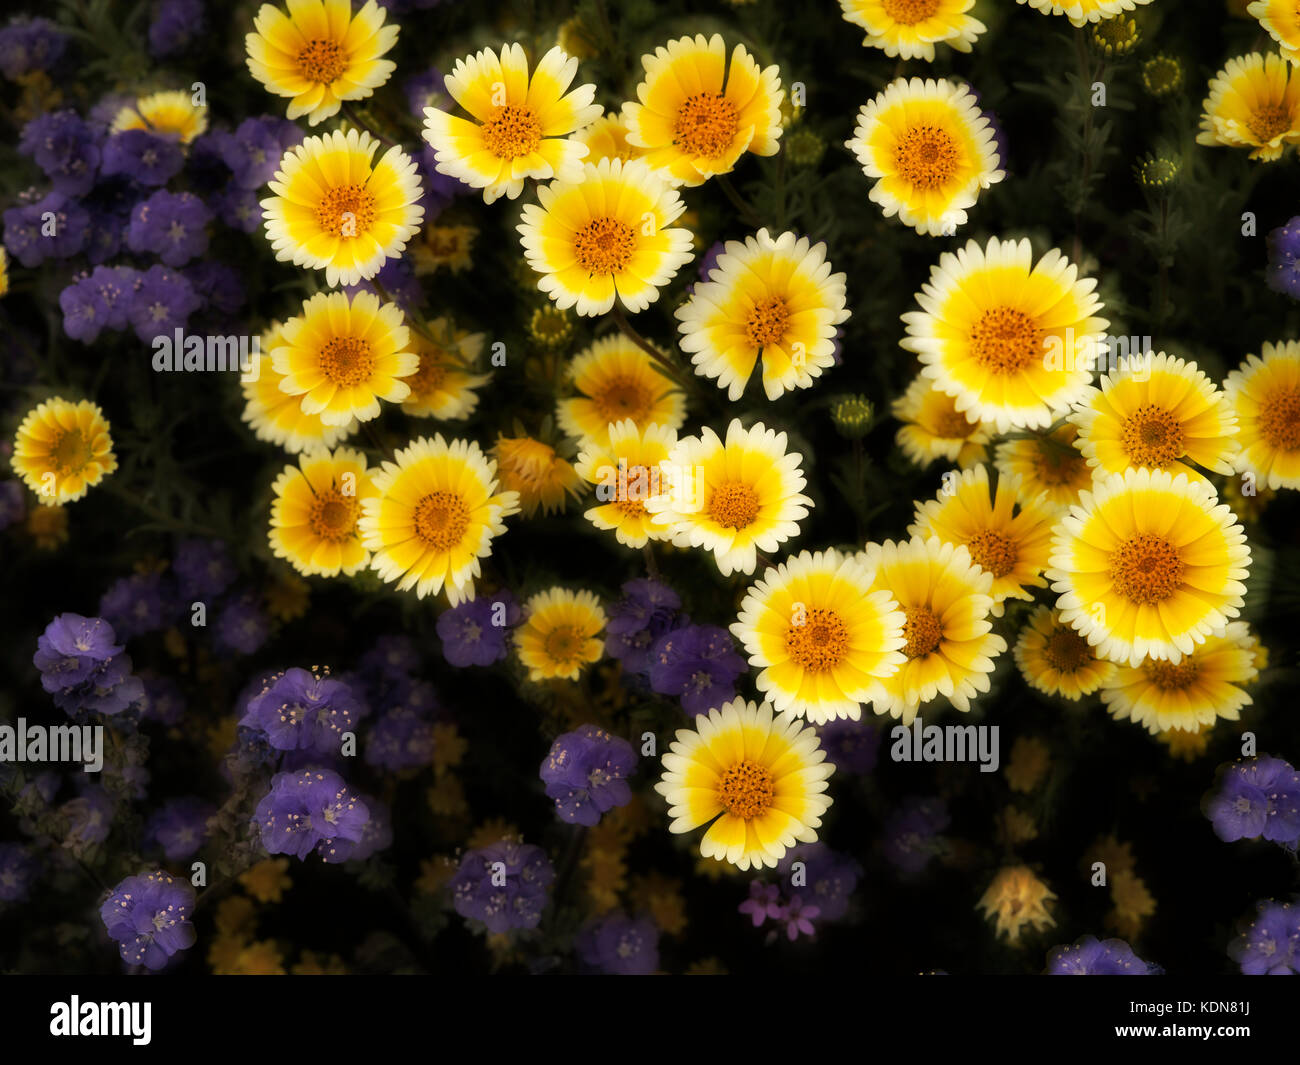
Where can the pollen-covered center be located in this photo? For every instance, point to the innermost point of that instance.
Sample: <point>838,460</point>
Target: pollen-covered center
<point>622,397</point>
<point>706,125</point>
<point>910,12</point>
<point>346,210</point>
<point>70,452</point>
<point>429,376</point>
<point>1057,466</point>
<point>1268,120</point>
<point>734,505</point>
<point>441,519</point>
<point>1146,569</point>
<point>512,131</point>
<point>952,424</point>
<point>563,643</point>
<point>1169,677</point>
<point>1006,341</point>
<point>747,790</point>
<point>927,157</point>
<point>1065,650</point>
<point>333,515</point>
<point>1152,437</point>
<point>640,483</point>
<point>994,551</point>
<point>604,246</point>
<point>1279,419</point>
<point>768,322</point>
<point>922,630</point>
<point>817,640</point>
<point>322,61</point>
<point>347,361</point>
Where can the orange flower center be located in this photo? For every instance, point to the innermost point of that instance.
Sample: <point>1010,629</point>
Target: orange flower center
<point>512,131</point>
<point>642,482</point>
<point>734,505</point>
<point>1146,569</point>
<point>1169,677</point>
<point>70,452</point>
<point>622,397</point>
<point>1006,341</point>
<point>333,515</point>
<point>347,361</point>
<point>322,61</point>
<point>910,12</point>
<point>747,790</point>
<point>820,642</point>
<point>604,246</point>
<point>952,424</point>
<point>1152,437</point>
<point>346,210</point>
<point>927,157</point>
<point>1279,419</point>
<point>768,322</point>
<point>706,125</point>
<point>441,519</point>
<point>994,551</point>
<point>922,631</point>
<point>1065,650</point>
<point>429,376</point>
<point>1057,464</point>
<point>1269,120</point>
<point>563,643</point>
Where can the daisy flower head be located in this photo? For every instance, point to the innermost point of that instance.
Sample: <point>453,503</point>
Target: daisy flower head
<point>1158,412</point>
<point>443,386</point>
<point>606,236</point>
<point>910,29</point>
<point>820,633</point>
<point>276,416</point>
<point>1148,564</point>
<point>315,513</point>
<point>767,298</point>
<point>336,209</point>
<point>1011,340</point>
<point>606,138</point>
<point>696,115</point>
<point>1264,393</point>
<point>1282,20</point>
<point>734,496</point>
<point>541,478</point>
<point>172,114</point>
<point>625,471</point>
<point>1081,12</point>
<point>1008,533</point>
<point>616,380</point>
<point>343,356</point>
<point>559,636</point>
<point>519,122</point>
<point>1254,103</point>
<point>1049,464</point>
<point>950,643</point>
<point>758,776</point>
<point>318,54</point>
<point>62,449</point>
<point>1206,685</point>
<point>1055,660</point>
<point>933,427</point>
<point>930,149</point>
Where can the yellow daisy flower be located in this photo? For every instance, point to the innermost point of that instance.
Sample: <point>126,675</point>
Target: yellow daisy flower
<point>319,54</point>
<point>519,124</point>
<point>933,427</point>
<point>169,114</point>
<point>558,638</point>
<point>734,497</point>
<point>1205,686</point>
<point>1013,341</point>
<point>930,150</point>
<point>625,472</point>
<point>434,516</point>
<point>276,416</point>
<point>759,777</point>
<point>1186,746</point>
<point>1148,565</point>
<point>615,380</point>
<point>48,527</point>
<point>1028,765</point>
<point>604,236</point>
<point>439,246</point>
<point>4,273</point>
<point>1133,904</point>
<point>1009,535</point>
<point>606,138</point>
<point>1017,899</point>
<point>268,880</point>
<point>336,209</point>
<point>441,386</point>
<point>820,634</point>
<point>1056,660</point>
<point>774,299</point>
<point>696,117</point>
<point>1253,103</point>
<point>1264,392</point>
<point>62,449</point>
<point>343,356</point>
<point>1081,12</point>
<point>946,600</point>
<point>1164,417</point>
<point>1282,20</point>
<point>533,470</point>
<point>315,510</point>
<point>1050,464</point>
<point>911,28</point>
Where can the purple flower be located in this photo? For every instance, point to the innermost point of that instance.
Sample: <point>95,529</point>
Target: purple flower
<point>826,877</point>
<point>53,227</point>
<point>83,313</point>
<point>1258,797</point>
<point>172,225</point>
<point>140,604</point>
<point>389,655</point>
<point>699,664</point>
<point>1283,274</point>
<point>83,667</point>
<point>620,946</point>
<point>647,610</point>
<point>376,836</point>
<point>401,739</point>
<point>764,903</point>
<point>503,885</point>
<point>242,625</point>
<point>161,303</point>
<point>586,774</point>
<point>203,568</point>
<point>912,833</point>
<point>89,819</point>
<point>149,918</point>
<point>175,25</point>
<point>1092,957</point>
<point>851,746</point>
<point>473,633</point>
<point>66,148</point>
<point>798,918</point>
<point>17,871</point>
<point>218,285</point>
<point>180,827</point>
<point>312,809</point>
<point>163,701</point>
<point>29,45</point>
<point>1270,945</point>
<point>13,504</point>
<point>299,711</point>
<point>238,208</point>
<point>254,150</point>
<point>143,156</point>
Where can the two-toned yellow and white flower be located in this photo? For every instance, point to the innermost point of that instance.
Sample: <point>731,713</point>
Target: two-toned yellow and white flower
<point>733,496</point>
<point>605,236</point>
<point>1254,103</point>
<point>316,510</point>
<point>1081,12</point>
<point>756,778</point>
<point>172,114</point>
<point>1056,660</point>
<point>519,123</point>
<point>1049,464</point>
<point>616,380</point>
<point>626,472</point>
<point>931,151</point>
<point>558,637</point>
<point>1281,18</point>
<point>933,427</point>
<point>62,449</point>
<point>767,298</point>
<point>275,415</point>
<point>820,634</point>
<point>336,209</point>
<point>540,475</point>
<point>1264,393</point>
<point>444,386</point>
<point>910,29</point>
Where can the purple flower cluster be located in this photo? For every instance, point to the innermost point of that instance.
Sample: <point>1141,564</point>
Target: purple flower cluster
<point>1092,957</point>
<point>850,746</point>
<point>646,612</point>
<point>311,810</point>
<point>142,156</point>
<point>1283,273</point>
<point>176,24</point>
<point>84,668</point>
<point>179,828</point>
<point>149,916</point>
<point>29,45</point>
<point>819,875</point>
<point>242,625</point>
<point>140,604</point>
<point>99,300</point>
<point>618,945</point>
<point>51,226</point>
<point>912,833</point>
<point>170,225</point>
<point>1270,944</point>
<point>203,569</point>
<point>300,711</point>
<point>698,664</point>
<point>503,885</point>
<point>66,148</point>
<point>586,774</point>
<point>1254,798</point>
<point>473,633</point>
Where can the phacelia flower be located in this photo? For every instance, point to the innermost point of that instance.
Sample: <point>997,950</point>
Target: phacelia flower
<point>180,827</point>
<point>504,885</point>
<point>475,631</point>
<point>1092,957</point>
<point>617,945</point>
<point>301,711</point>
<point>586,774</point>
<point>311,810</point>
<point>149,916</point>
<point>698,664</point>
<point>1270,943</point>
<point>647,610</point>
<point>1257,797</point>
<point>83,668</point>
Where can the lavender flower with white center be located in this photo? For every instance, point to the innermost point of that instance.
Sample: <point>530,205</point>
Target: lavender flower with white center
<point>699,664</point>
<point>473,633</point>
<point>180,827</point>
<point>52,227</point>
<point>163,701</point>
<point>647,610</point>
<point>172,225</point>
<point>203,568</point>
<point>586,774</point>
<point>66,148</point>
<point>311,810</point>
<point>1270,945</point>
<point>504,885</point>
<point>253,150</point>
<point>618,945</point>
<point>176,25</point>
<point>912,833</point>
<point>376,836</point>
<point>817,874</point>
<point>144,157</point>
<point>149,916</point>
<point>299,711</point>
<point>242,626</point>
<point>1092,957</point>
<point>89,820</point>
<point>83,667</point>
<point>140,604</point>
<point>161,303</point>
<point>28,45</point>
<point>401,739</point>
<point>1257,797</point>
